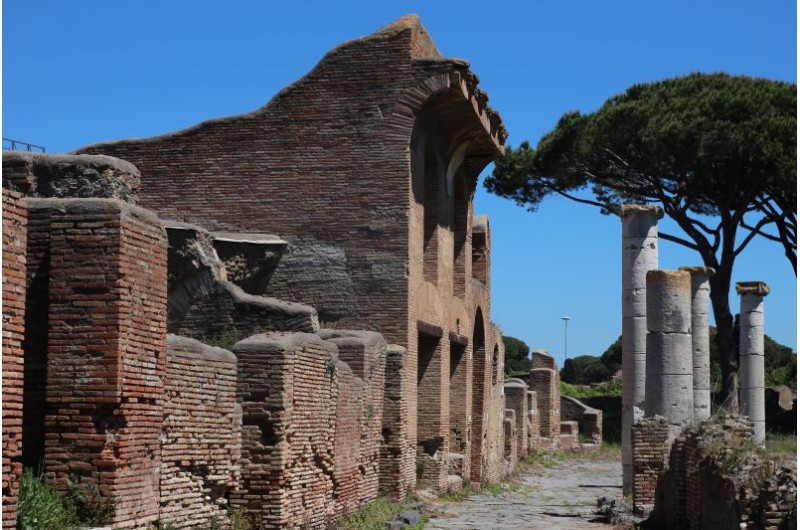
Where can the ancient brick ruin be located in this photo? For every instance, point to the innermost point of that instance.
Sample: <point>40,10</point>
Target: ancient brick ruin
<point>283,312</point>
<point>679,462</point>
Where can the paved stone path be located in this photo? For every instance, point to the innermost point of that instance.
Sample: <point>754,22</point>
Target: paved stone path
<point>561,497</point>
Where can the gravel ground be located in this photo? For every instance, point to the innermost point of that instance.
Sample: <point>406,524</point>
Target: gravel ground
<point>563,496</point>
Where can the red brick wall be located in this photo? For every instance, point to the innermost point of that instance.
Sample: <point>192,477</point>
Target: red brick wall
<point>287,385</point>
<point>533,418</point>
<point>105,347</point>
<point>650,444</point>
<point>398,450</point>
<point>363,353</point>
<point>14,250</point>
<point>517,399</point>
<point>200,436</point>
<point>544,382</point>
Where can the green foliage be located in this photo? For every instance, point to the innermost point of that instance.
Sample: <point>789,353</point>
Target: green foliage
<point>585,370</point>
<point>612,357</point>
<point>43,508</point>
<point>40,507</point>
<point>376,514</point>
<point>717,152</point>
<point>517,356</point>
<point>238,519</point>
<point>84,500</point>
<point>608,389</point>
<point>225,340</point>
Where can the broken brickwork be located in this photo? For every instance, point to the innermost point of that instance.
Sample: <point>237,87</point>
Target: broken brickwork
<point>516,392</point>
<point>14,250</point>
<point>715,477</point>
<point>383,242</point>
<point>544,380</point>
<point>103,347</point>
<point>200,434</point>
<point>533,422</point>
<point>398,451</point>
<point>589,420</point>
<point>650,443</point>
<point>510,449</point>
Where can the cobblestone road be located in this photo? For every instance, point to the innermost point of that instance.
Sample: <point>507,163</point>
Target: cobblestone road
<point>559,497</point>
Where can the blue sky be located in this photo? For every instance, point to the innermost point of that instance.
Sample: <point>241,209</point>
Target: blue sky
<point>79,72</point>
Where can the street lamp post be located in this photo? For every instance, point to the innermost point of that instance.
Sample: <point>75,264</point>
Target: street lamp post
<point>566,322</point>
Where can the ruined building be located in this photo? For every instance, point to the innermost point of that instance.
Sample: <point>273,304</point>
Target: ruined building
<point>283,311</point>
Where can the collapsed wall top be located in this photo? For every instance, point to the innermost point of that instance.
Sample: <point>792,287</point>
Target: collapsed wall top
<point>70,176</point>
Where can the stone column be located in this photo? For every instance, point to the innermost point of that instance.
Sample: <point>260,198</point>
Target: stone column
<point>669,346</point>
<point>700,341</point>
<point>639,255</point>
<point>751,354</point>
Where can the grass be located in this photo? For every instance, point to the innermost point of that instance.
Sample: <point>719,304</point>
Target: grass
<point>376,514</point>
<point>781,445</point>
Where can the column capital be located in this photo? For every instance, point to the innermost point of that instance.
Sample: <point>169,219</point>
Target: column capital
<point>759,288</point>
<point>699,271</point>
<point>626,210</point>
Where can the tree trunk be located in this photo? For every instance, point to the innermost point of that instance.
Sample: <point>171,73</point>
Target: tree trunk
<point>720,284</point>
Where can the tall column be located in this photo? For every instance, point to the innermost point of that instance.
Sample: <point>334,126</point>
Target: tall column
<point>669,346</point>
<point>639,255</point>
<point>700,341</point>
<point>751,354</point>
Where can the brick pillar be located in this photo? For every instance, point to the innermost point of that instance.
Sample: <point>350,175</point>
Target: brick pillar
<point>516,392</point>
<point>398,454</point>
<point>639,255</point>
<point>433,410</point>
<point>544,381</point>
<point>14,267</point>
<point>701,347</point>
<point>751,355</point>
<point>105,348</point>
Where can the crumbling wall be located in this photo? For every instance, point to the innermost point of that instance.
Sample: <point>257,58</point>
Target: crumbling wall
<point>716,478</point>
<point>398,451</point>
<point>510,449</point>
<point>516,392</point>
<point>544,380</point>
<point>204,305</point>
<point>288,388</point>
<point>200,434</point>
<point>42,175</point>
<point>364,353</point>
<point>494,457</point>
<point>14,270</point>
<point>590,420</point>
<point>101,312</point>
<point>533,422</point>
<point>650,444</point>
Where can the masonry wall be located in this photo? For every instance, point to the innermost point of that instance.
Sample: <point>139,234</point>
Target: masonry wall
<point>398,451</point>
<point>650,445</point>
<point>14,283</point>
<point>590,421</point>
<point>544,380</point>
<point>516,392</point>
<point>288,388</point>
<point>200,435</point>
<point>102,348</point>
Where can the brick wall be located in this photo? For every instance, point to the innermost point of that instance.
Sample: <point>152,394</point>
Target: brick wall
<point>288,388</point>
<point>650,444</point>
<point>533,419</point>
<point>398,451</point>
<point>544,382</point>
<point>360,402</point>
<point>516,392</point>
<point>106,287</point>
<point>340,144</point>
<point>590,420</point>
<point>510,440</point>
<point>200,436</point>
<point>14,270</point>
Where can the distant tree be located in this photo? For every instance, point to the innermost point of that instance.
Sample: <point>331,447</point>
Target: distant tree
<point>518,359</point>
<point>717,153</point>
<point>584,370</point>
<point>612,357</point>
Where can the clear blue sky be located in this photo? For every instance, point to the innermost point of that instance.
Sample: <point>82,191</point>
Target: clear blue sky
<point>80,72</point>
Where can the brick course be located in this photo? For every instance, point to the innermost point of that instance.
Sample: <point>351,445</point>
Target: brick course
<point>200,435</point>
<point>106,266</point>
<point>14,287</point>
